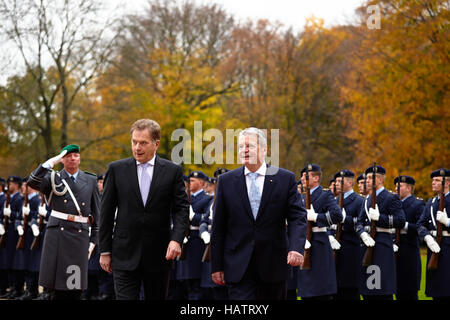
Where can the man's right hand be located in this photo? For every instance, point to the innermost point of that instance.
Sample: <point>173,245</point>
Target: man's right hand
<point>50,163</point>
<point>105,262</point>
<point>218,278</point>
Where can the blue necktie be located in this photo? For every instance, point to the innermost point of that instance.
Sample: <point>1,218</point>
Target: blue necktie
<point>255,194</point>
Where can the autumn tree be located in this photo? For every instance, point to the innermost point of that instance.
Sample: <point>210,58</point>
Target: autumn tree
<point>399,89</point>
<point>60,46</point>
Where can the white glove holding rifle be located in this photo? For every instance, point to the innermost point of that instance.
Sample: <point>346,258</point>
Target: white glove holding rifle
<point>35,230</point>
<point>50,163</point>
<point>442,217</point>
<point>311,214</point>
<point>205,237</point>
<point>432,244</point>
<point>335,245</point>
<point>367,239</point>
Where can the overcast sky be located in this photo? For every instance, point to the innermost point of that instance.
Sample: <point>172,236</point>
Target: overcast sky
<point>289,12</point>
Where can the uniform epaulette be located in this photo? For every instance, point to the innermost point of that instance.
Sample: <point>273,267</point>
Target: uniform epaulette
<point>419,198</point>
<point>92,174</point>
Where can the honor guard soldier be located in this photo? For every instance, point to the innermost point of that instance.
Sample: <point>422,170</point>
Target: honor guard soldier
<point>348,259</point>
<point>437,274</point>
<point>3,271</point>
<point>189,270</point>
<point>29,260</point>
<point>362,184</point>
<point>332,187</point>
<point>13,212</point>
<point>409,266</point>
<point>319,282</point>
<point>211,290</point>
<point>378,279</point>
<point>73,197</point>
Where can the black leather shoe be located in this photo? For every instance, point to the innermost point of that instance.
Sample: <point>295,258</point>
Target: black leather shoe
<point>14,294</point>
<point>105,297</point>
<point>43,296</point>
<point>28,296</point>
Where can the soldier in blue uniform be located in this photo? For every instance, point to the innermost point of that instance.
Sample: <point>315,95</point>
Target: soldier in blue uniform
<point>36,253</point>
<point>348,261</point>
<point>25,257</point>
<point>379,280</point>
<point>211,290</point>
<point>362,184</point>
<point>14,212</point>
<point>437,281</point>
<point>189,271</point>
<point>319,282</point>
<point>3,271</point>
<point>409,266</point>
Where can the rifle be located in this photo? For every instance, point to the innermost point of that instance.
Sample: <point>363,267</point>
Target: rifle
<point>434,259</point>
<point>368,255</point>
<point>307,260</point>
<point>365,184</point>
<point>341,205</point>
<point>5,221</point>
<point>35,243</point>
<point>206,253</point>
<point>397,231</point>
<point>182,255</point>
<point>21,241</point>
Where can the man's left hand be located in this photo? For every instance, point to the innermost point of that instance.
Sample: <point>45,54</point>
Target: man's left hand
<point>173,250</point>
<point>294,259</point>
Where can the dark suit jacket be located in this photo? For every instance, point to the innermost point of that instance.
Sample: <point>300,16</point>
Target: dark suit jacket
<point>142,232</point>
<point>280,226</point>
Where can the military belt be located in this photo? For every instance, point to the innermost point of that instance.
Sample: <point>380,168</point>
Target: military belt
<point>444,233</point>
<point>317,229</point>
<point>387,230</point>
<point>69,217</point>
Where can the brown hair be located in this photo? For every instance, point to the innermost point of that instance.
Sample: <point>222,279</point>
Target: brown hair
<point>152,126</point>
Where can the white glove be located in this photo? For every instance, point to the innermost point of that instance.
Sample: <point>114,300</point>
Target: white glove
<point>20,230</point>
<point>191,213</point>
<point>35,230</point>
<point>344,214</point>
<point>311,214</point>
<point>2,230</point>
<point>405,227</point>
<point>42,211</point>
<point>205,236</point>
<point>26,210</point>
<point>335,245</point>
<point>442,217</point>
<point>50,163</point>
<point>7,212</point>
<point>395,248</point>
<point>185,240</point>
<point>91,249</point>
<point>367,239</point>
<point>374,214</point>
<point>307,244</point>
<point>432,244</point>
